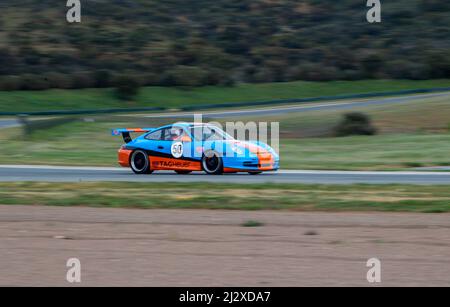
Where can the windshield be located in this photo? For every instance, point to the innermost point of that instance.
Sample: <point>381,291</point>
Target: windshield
<point>209,133</point>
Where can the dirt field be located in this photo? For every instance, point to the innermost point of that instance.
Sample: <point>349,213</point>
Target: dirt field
<point>123,247</point>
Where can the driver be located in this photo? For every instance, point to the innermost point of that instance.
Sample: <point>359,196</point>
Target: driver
<point>176,134</point>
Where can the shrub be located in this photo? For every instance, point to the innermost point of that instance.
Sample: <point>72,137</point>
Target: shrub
<point>10,83</point>
<point>58,80</point>
<point>102,78</point>
<point>355,123</point>
<point>126,87</point>
<point>189,76</point>
<point>311,233</point>
<point>252,223</point>
<point>33,82</point>
<point>149,79</point>
<point>82,80</point>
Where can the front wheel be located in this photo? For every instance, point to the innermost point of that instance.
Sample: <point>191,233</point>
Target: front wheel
<point>139,162</point>
<point>212,163</point>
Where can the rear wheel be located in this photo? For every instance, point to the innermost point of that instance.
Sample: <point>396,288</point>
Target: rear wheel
<point>139,162</point>
<point>183,172</point>
<point>212,163</point>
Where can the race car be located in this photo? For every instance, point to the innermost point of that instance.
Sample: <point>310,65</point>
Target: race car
<point>189,147</point>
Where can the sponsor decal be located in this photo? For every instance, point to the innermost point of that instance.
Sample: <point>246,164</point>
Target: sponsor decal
<point>174,164</point>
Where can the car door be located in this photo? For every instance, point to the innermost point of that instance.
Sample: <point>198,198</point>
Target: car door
<point>174,151</point>
<point>177,145</point>
<point>165,145</point>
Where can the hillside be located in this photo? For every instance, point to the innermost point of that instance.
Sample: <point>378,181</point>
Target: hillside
<point>201,42</point>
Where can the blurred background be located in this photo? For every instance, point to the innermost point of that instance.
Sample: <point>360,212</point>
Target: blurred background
<point>225,42</point>
<point>348,94</point>
<point>149,55</point>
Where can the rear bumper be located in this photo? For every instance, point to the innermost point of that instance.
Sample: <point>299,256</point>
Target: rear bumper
<point>124,157</point>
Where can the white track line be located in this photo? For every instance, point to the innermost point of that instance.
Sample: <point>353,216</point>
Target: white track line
<point>331,172</point>
<point>325,172</point>
<point>57,167</point>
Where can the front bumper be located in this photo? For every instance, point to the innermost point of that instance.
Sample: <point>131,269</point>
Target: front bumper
<point>266,162</point>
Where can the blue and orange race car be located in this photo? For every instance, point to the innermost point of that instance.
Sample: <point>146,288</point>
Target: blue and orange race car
<point>188,147</point>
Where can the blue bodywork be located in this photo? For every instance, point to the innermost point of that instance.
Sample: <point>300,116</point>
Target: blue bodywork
<point>238,155</point>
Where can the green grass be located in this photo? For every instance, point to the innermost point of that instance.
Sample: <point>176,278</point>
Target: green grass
<point>424,115</point>
<point>298,197</point>
<point>382,152</point>
<point>412,135</point>
<point>85,143</point>
<point>76,143</point>
<point>27,101</point>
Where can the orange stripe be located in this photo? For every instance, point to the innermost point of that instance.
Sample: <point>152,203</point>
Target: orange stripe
<point>136,130</point>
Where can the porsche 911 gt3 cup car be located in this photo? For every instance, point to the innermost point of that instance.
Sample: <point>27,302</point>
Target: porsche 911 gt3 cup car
<point>189,147</point>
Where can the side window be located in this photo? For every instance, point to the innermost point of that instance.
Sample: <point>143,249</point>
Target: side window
<point>154,136</point>
<point>173,134</point>
<point>166,135</point>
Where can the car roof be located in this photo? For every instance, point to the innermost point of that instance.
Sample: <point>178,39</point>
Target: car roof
<point>187,125</point>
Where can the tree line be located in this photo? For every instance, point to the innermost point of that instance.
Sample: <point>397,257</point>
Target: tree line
<point>221,42</point>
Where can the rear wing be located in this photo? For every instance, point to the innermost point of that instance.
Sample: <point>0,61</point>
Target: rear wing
<point>126,132</point>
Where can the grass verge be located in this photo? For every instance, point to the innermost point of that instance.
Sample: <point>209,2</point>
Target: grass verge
<point>412,134</point>
<point>56,99</point>
<point>298,197</point>
<point>89,144</point>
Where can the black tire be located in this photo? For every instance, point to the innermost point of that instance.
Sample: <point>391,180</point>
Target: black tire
<point>254,173</point>
<point>183,172</point>
<point>139,162</point>
<point>212,163</point>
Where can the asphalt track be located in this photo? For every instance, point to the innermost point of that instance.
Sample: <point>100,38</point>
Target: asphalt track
<point>13,173</point>
<point>8,123</point>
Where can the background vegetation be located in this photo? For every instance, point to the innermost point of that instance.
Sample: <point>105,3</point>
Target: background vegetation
<point>202,42</point>
<point>175,97</point>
